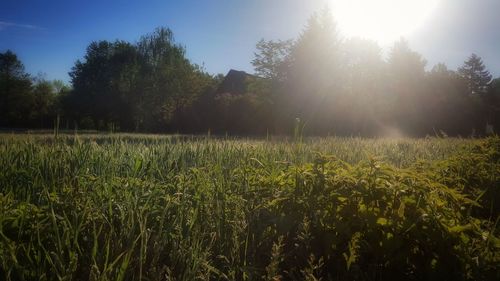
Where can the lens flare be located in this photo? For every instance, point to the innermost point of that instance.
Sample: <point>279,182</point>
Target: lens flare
<point>382,20</point>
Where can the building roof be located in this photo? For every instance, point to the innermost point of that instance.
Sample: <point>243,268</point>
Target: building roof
<point>235,82</point>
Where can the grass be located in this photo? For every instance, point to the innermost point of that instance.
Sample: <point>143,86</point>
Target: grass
<point>150,207</point>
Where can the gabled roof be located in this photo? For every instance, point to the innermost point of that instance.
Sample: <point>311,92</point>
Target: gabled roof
<point>235,82</point>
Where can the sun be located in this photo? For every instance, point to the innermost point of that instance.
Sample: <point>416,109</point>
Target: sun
<point>382,20</point>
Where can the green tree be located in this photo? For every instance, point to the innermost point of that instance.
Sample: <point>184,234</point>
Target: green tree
<point>360,106</point>
<point>270,60</point>
<point>104,84</point>
<point>475,74</point>
<point>44,106</point>
<point>146,86</point>
<point>406,79</point>
<point>492,100</point>
<point>494,91</point>
<point>448,108</point>
<point>169,82</point>
<point>313,76</point>
<point>16,101</point>
<point>60,86</point>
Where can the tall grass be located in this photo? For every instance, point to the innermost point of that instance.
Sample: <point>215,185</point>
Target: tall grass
<point>146,207</point>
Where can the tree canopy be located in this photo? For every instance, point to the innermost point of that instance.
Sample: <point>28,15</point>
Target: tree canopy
<point>324,82</point>
<point>475,74</point>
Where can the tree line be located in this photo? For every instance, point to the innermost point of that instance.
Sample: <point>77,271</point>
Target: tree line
<point>318,83</point>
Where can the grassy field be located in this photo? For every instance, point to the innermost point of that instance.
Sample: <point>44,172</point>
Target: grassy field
<point>145,207</point>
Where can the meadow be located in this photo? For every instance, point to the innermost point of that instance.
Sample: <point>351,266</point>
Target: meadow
<point>151,207</point>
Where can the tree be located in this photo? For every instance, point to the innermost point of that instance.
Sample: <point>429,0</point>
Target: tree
<point>406,67</point>
<point>104,84</point>
<point>495,92</point>
<point>271,62</point>
<point>313,76</point>
<point>448,108</point>
<point>271,59</point>
<point>360,107</point>
<point>475,74</point>
<point>44,106</point>
<point>314,56</point>
<point>16,101</point>
<point>148,86</point>
<point>59,86</point>
<point>406,79</point>
<point>169,82</point>
<point>492,100</point>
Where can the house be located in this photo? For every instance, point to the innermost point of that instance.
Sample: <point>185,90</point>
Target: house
<point>235,82</point>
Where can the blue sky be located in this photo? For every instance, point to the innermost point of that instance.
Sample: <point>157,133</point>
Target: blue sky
<point>49,36</point>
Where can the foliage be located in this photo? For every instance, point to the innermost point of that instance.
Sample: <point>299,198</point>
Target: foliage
<point>271,59</point>
<point>344,87</point>
<point>142,87</point>
<point>335,85</point>
<point>103,83</point>
<point>25,101</point>
<point>15,85</point>
<point>476,75</point>
<point>134,207</point>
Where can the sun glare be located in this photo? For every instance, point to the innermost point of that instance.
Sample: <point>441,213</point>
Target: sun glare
<point>382,20</point>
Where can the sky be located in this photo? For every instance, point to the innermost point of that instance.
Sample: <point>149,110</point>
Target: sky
<point>49,36</point>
